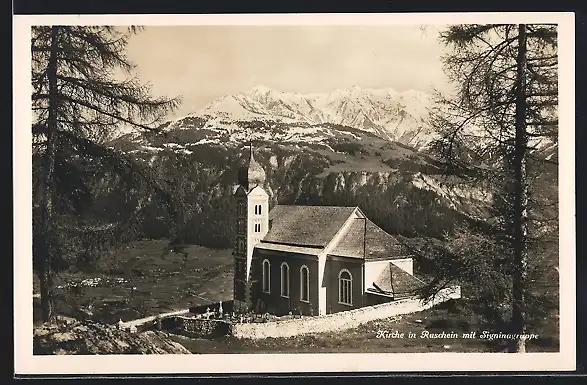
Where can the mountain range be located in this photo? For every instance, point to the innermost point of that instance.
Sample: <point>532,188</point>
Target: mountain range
<point>348,130</point>
<point>262,113</point>
<point>387,113</point>
<point>293,117</point>
<point>348,147</point>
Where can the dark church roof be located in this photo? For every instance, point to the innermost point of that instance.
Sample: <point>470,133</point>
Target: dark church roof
<point>306,225</point>
<point>396,281</point>
<point>379,244</point>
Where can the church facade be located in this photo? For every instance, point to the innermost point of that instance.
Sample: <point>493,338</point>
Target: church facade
<point>311,260</point>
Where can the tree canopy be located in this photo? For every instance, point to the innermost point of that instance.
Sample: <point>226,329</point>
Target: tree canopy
<point>83,91</point>
<point>497,132</point>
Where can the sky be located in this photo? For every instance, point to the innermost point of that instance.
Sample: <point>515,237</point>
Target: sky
<point>202,63</point>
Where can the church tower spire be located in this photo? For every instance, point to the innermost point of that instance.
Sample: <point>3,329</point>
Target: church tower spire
<point>252,209</point>
<point>252,173</point>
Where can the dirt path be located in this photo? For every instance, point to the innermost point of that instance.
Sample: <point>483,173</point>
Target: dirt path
<point>142,321</point>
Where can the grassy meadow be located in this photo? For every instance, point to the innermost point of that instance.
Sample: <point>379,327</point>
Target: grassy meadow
<point>142,279</point>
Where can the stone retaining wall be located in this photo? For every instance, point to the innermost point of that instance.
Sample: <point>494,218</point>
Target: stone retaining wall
<point>342,320</point>
<point>196,327</point>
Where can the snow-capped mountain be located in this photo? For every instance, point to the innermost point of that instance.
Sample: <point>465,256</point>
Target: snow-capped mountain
<point>317,149</point>
<point>322,120</point>
<point>386,113</point>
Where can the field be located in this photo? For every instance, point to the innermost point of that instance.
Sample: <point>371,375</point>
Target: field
<point>142,279</point>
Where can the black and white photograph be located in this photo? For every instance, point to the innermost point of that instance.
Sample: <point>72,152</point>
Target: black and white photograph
<point>297,188</point>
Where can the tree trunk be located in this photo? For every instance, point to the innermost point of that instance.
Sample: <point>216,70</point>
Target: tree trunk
<point>46,219</point>
<point>518,345</point>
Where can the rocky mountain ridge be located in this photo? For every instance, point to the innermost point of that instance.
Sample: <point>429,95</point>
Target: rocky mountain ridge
<point>311,160</point>
<point>386,113</point>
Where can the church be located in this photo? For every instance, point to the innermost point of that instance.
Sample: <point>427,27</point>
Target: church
<point>311,260</point>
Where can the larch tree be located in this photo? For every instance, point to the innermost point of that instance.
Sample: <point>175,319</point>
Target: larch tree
<point>495,133</point>
<point>78,102</point>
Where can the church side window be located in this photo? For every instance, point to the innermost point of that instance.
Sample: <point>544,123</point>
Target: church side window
<point>345,287</point>
<point>304,284</point>
<point>241,246</point>
<point>284,280</point>
<point>266,276</point>
<point>241,226</point>
<point>257,227</point>
<point>257,209</point>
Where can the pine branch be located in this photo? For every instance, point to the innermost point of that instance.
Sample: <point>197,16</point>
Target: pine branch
<point>104,112</point>
<point>122,166</point>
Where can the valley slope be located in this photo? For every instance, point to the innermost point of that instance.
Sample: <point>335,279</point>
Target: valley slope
<point>348,147</point>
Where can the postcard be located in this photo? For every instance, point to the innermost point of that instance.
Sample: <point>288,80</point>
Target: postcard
<point>300,193</point>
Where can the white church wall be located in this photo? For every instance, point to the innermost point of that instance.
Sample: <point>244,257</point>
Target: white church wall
<point>373,270</point>
<point>257,196</point>
<point>406,264</point>
<point>342,320</point>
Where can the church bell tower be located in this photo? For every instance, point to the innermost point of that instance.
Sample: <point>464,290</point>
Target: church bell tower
<point>252,216</point>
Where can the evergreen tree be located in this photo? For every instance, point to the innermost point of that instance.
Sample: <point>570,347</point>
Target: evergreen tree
<point>504,111</point>
<point>78,103</point>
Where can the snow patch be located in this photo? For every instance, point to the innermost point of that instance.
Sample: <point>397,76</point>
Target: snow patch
<point>154,149</point>
<point>205,141</point>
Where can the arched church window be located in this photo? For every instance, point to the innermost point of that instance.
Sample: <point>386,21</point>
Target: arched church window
<point>345,287</point>
<point>284,280</point>
<point>304,284</point>
<point>266,276</point>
